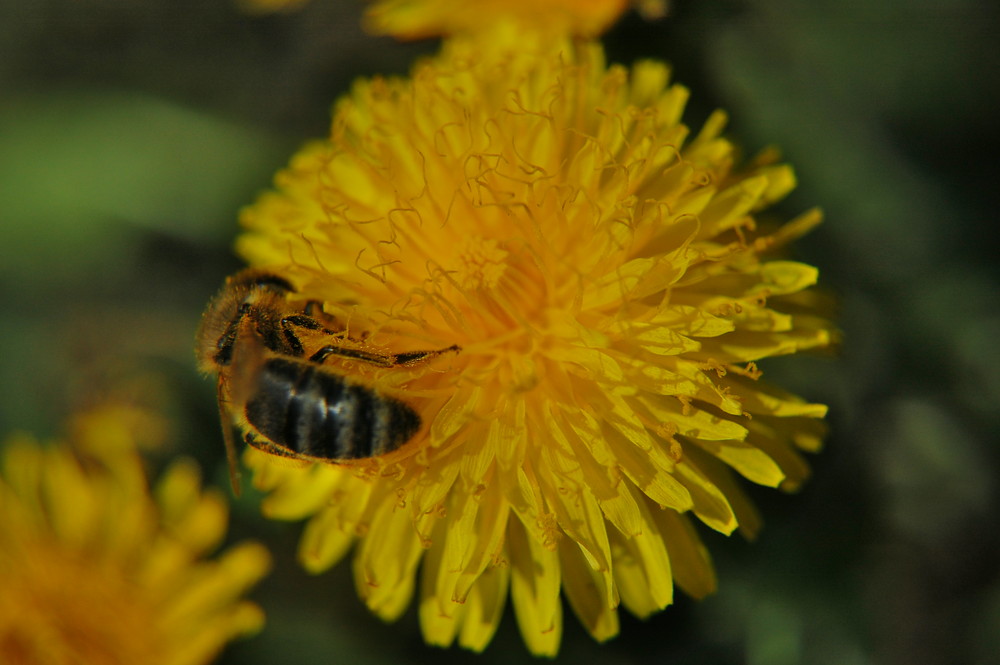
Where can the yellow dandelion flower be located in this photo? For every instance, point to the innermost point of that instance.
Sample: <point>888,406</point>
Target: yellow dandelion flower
<point>416,19</point>
<point>95,570</point>
<point>611,288</point>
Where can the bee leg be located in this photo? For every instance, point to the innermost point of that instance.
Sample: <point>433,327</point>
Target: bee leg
<point>413,357</point>
<point>228,439</point>
<point>268,447</point>
<point>224,347</point>
<point>303,321</point>
<point>380,359</point>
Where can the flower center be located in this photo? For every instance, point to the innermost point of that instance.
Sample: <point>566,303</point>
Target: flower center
<point>481,263</point>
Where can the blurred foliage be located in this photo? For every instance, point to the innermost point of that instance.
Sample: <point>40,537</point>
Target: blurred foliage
<point>131,131</point>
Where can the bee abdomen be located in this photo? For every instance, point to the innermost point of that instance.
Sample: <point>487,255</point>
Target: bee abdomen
<point>321,414</point>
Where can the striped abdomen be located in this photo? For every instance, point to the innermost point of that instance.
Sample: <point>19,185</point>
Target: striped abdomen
<point>311,411</point>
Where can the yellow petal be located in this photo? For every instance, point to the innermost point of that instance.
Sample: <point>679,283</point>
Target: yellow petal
<point>484,608</point>
<point>710,505</point>
<point>725,481</point>
<point>386,561</point>
<point>534,589</point>
<point>648,554</point>
<point>603,480</point>
<point>587,592</point>
<point>325,540</point>
<point>750,461</point>
<point>295,501</point>
<point>689,559</point>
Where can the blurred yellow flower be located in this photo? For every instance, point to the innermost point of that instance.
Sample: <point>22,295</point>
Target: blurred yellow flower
<point>93,569</point>
<point>611,287</point>
<point>415,19</point>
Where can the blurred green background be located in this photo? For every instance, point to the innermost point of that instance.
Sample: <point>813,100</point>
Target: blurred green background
<point>131,132</point>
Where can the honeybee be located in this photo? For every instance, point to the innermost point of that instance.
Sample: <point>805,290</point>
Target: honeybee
<point>287,403</point>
